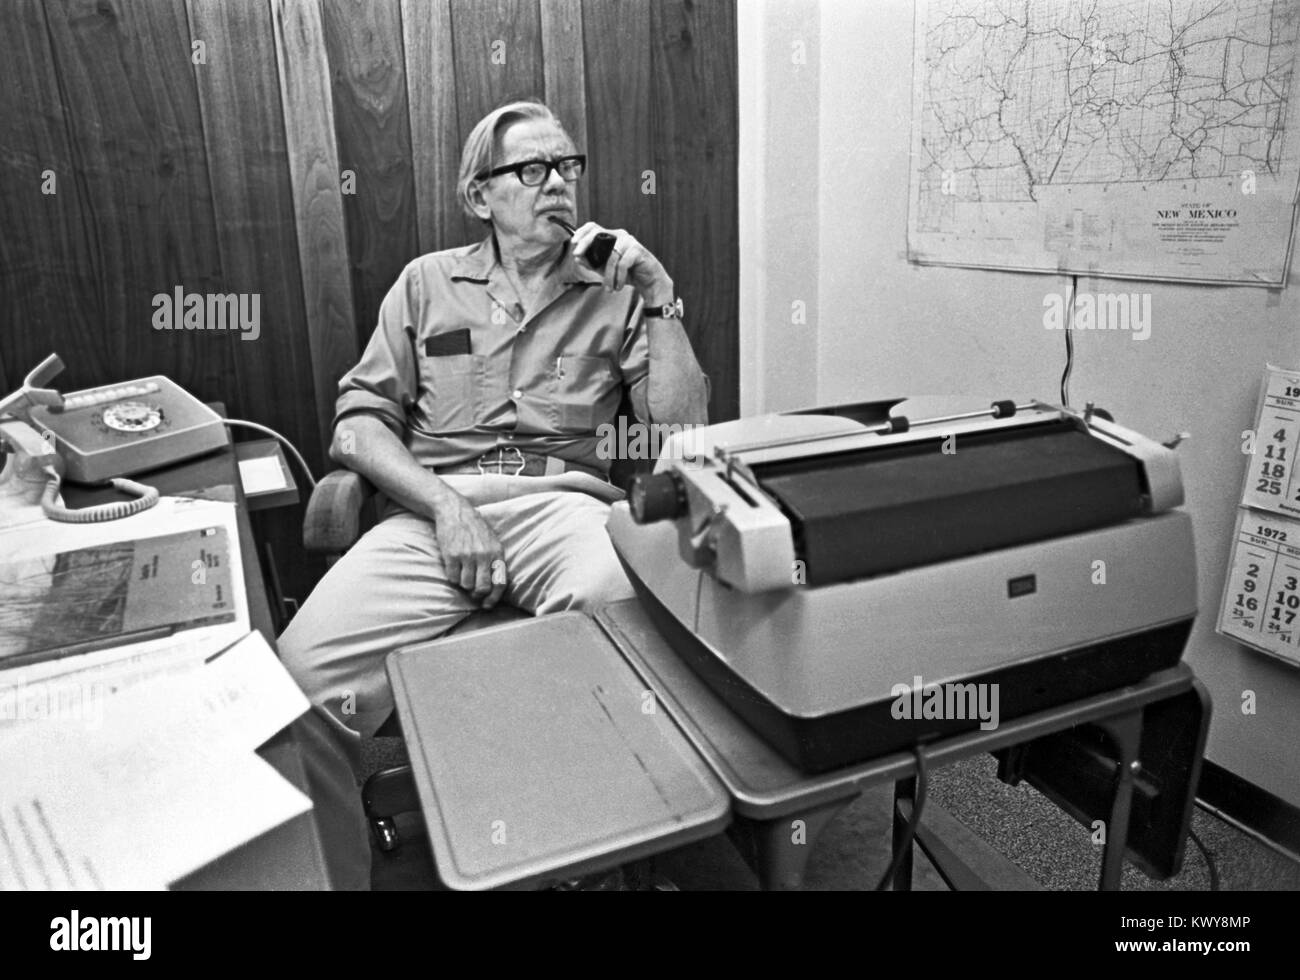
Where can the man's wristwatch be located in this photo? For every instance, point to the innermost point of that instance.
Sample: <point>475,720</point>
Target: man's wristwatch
<point>669,311</point>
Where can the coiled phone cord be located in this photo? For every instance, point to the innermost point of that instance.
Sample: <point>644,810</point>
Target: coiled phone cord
<point>145,496</point>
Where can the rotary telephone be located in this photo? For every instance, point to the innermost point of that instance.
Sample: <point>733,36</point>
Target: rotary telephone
<point>95,435</point>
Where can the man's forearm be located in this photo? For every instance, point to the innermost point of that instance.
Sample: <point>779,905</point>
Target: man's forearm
<point>365,445</point>
<point>675,391</point>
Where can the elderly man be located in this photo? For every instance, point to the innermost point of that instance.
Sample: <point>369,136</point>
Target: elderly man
<point>475,409</point>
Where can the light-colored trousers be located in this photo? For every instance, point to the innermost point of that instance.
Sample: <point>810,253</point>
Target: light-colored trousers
<point>389,590</point>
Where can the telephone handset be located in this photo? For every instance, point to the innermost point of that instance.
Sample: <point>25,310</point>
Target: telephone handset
<point>98,434</point>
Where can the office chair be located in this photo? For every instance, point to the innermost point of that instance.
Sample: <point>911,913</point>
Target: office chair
<point>342,507</point>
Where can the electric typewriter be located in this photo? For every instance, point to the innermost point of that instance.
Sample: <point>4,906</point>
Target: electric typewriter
<point>817,567</point>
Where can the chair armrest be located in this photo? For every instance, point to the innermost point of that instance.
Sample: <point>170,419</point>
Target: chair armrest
<point>333,520</point>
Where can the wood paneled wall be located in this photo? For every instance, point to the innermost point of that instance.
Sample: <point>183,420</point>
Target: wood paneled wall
<point>202,143</point>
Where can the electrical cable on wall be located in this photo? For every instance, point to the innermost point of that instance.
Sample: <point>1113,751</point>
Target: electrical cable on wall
<point>1069,343</point>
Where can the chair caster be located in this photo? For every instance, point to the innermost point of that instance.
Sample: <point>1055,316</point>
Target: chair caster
<point>385,831</point>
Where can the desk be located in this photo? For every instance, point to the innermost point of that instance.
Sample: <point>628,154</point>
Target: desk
<point>293,855</point>
<point>767,791</point>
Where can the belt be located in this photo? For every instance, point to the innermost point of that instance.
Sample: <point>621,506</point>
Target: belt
<point>510,461</point>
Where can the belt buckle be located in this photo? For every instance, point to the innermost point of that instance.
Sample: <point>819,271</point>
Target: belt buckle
<point>500,462</point>
<point>518,452</point>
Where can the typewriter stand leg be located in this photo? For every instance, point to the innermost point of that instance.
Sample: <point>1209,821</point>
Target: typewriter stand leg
<point>1126,732</point>
<point>904,793</point>
<point>778,850</point>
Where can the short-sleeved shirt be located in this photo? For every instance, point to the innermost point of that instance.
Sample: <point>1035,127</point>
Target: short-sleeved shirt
<point>541,383</point>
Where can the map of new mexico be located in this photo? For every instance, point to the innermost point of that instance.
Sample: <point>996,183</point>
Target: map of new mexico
<point>1116,138</point>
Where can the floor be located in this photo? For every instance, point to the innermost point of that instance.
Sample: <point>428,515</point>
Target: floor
<point>853,852</point>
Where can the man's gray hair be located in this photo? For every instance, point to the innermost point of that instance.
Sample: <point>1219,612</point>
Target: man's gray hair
<point>481,142</point>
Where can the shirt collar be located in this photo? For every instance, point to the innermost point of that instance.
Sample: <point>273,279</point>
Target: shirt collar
<point>479,263</point>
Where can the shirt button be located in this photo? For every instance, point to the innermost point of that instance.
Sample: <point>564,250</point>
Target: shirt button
<point>517,394</point>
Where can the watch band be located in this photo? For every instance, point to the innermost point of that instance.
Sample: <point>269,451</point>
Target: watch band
<point>669,311</point>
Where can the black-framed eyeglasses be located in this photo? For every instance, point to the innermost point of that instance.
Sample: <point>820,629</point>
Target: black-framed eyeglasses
<point>531,173</point>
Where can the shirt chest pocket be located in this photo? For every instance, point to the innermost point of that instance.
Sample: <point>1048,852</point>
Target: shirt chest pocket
<point>452,391</point>
<point>584,393</point>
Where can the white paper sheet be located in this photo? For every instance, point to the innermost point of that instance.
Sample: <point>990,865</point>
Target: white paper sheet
<point>158,780</point>
<point>261,474</point>
<point>114,827</point>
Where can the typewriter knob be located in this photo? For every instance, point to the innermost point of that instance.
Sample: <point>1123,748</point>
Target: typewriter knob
<point>656,497</point>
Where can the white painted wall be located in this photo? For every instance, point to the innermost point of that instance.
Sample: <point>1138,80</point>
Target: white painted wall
<point>880,326</point>
<point>779,201</point>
